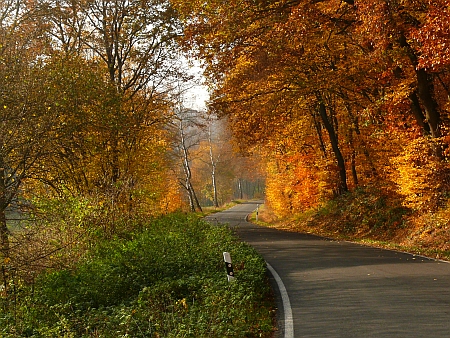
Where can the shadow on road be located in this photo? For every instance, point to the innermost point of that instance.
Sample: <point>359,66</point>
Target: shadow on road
<point>341,289</point>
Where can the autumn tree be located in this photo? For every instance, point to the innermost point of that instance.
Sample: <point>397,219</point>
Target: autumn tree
<point>83,103</point>
<point>131,47</point>
<point>266,77</point>
<point>391,26</point>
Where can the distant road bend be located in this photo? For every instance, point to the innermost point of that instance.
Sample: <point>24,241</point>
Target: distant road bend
<point>340,289</point>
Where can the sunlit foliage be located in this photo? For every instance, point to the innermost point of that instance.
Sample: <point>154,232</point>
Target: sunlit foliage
<point>338,94</point>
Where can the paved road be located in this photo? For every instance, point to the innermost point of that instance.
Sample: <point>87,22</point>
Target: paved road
<point>340,289</point>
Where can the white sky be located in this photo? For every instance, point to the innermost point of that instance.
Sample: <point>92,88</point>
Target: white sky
<point>196,97</point>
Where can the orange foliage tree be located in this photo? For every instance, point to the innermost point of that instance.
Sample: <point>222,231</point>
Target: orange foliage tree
<point>362,78</point>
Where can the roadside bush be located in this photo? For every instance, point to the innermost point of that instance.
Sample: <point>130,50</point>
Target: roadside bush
<point>366,212</point>
<point>166,281</point>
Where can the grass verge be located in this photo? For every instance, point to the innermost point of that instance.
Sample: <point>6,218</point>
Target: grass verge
<point>212,210</point>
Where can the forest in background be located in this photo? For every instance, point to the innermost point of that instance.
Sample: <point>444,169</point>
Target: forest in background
<point>338,97</point>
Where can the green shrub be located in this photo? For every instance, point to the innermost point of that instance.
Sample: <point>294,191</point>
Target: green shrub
<point>167,281</point>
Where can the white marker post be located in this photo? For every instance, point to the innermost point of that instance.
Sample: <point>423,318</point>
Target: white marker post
<point>229,266</point>
<point>257,211</point>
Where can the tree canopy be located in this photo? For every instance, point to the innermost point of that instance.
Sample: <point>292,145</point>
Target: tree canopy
<point>335,93</point>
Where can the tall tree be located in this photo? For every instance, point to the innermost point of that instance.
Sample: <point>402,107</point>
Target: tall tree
<point>388,28</point>
<point>263,68</point>
<point>187,136</point>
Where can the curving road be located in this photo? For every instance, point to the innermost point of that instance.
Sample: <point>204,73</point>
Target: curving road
<point>340,289</point>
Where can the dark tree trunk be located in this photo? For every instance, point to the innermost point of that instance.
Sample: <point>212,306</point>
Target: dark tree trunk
<point>318,128</point>
<point>425,91</point>
<point>418,113</point>
<point>355,122</point>
<point>353,159</point>
<point>342,184</point>
<point>4,233</point>
<point>354,172</point>
<point>194,195</point>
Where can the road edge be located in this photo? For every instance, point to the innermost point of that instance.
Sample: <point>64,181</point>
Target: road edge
<point>288,322</point>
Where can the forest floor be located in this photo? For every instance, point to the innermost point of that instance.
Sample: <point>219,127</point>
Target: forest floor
<point>371,218</point>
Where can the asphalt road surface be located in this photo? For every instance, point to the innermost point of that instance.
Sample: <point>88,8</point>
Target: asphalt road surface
<point>340,289</point>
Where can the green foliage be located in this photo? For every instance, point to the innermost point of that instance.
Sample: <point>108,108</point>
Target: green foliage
<point>166,281</point>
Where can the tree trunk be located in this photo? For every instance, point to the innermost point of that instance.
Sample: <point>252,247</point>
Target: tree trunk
<point>355,122</point>
<point>213,169</point>
<point>342,184</point>
<point>190,197</point>
<point>193,201</point>
<point>241,193</point>
<point>189,188</point>
<point>214,185</point>
<point>318,128</point>
<point>114,159</point>
<point>194,195</point>
<point>418,113</point>
<point>4,233</point>
<point>425,90</point>
<point>353,159</point>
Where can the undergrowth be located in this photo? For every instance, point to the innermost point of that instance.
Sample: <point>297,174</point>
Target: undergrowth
<point>168,280</point>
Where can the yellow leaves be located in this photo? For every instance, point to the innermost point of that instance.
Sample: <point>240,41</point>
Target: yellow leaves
<point>420,174</point>
<point>182,303</point>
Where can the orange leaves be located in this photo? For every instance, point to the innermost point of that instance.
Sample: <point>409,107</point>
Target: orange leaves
<point>169,198</point>
<point>274,64</point>
<point>433,36</point>
<point>291,185</point>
